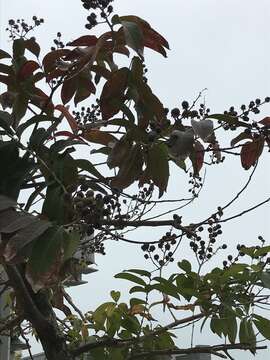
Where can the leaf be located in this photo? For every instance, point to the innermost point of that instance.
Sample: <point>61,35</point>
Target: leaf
<point>137,289</point>
<point>6,203</point>
<point>32,46</point>
<point>24,237</point>
<point>119,152</point>
<point>34,120</point>
<point>197,157</point>
<point>19,223</point>
<point>27,69</point>
<point>89,167</point>
<point>85,40</point>
<point>157,167</point>
<point>130,169</point>
<point>130,277</point>
<point>232,328</point>
<point>47,257</point>
<point>140,272</point>
<point>115,295</point>
<point>204,129</point>
<point>216,326</point>
<point>185,265</point>
<point>265,278</point>
<point>228,119</point>
<point>240,137</point>
<point>265,121</point>
<point>4,54</point>
<point>98,137</point>
<point>49,60</point>
<point>133,36</point>
<point>72,122</point>
<point>263,325</point>
<point>251,151</point>
<point>68,89</point>
<point>112,94</point>
<point>246,332</point>
<point>85,88</point>
<point>20,107</point>
<point>5,122</point>
<point>166,287</point>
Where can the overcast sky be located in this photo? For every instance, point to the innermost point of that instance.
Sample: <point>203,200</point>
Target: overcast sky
<point>219,45</point>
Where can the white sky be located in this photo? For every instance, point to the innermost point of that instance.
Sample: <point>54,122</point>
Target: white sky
<point>215,44</point>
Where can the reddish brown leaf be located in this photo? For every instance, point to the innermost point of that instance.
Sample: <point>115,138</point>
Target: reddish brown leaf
<point>251,151</point>
<point>85,88</point>
<point>112,93</point>
<point>265,121</point>
<point>102,71</point>
<point>68,134</point>
<point>55,74</point>
<point>130,169</point>
<point>42,100</point>
<point>155,41</point>
<point>32,46</point>
<point>49,60</point>
<point>199,151</point>
<point>119,152</point>
<point>86,40</point>
<point>241,136</point>
<point>68,89</point>
<point>28,68</point>
<point>98,137</point>
<point>72,122</point>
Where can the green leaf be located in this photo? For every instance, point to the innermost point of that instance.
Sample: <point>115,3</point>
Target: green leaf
<point>216,326</point>
<point>115,295</point>
<point>131,324</point>
<point>230,120</point>
<point>47,249</point>
<point>185,265</point>
<point>263,250</point>
<point>89,167</point>
<point>133,35</point>
<point>265,277</point>
<point>135,289</point>
<point>130,277</point>
<point>166,287</point>
<point>140,272</point>
<point>263,325</point>
<point>157,168</point>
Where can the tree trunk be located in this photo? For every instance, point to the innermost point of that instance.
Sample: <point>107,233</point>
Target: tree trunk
<point>37,309</point>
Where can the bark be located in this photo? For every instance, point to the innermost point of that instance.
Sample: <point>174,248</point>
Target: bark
<point>36,308</point>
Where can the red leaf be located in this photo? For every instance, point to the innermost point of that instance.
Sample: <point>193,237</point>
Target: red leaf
<point>251,151</point>
<point>86,40</point>
<point>32,46</point>
<point>265,121</point>
<point>113,92</point>
<point>28,68</point>
<point>68,90</point>
<point>55,74</point>
<point>155,41</point>
<point>84,90</point>
<point>99,137</point>
<point>68,134</point>
<point>72,122</point>
<point>49,60</point>
<point>199,150</point>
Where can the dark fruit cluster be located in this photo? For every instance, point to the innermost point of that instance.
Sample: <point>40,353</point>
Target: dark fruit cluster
<point>196,184</point>
<point>188,112</point>
<point>19,28</point>
<point>245,111</point>
<point>163,253</point>
<point>105,9</point>
<point>58,42</point>
<point>87,115</point>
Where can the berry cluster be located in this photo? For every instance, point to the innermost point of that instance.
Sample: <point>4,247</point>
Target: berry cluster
<point>196,184</point>
<point>19,28</point>
<point>105,8</point>
<point>58,42</point>
<point>87,115</point>
<point>163,253</point>
<point>188,112</point>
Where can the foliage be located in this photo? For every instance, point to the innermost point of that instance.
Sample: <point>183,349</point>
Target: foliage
<point>73,207</point>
